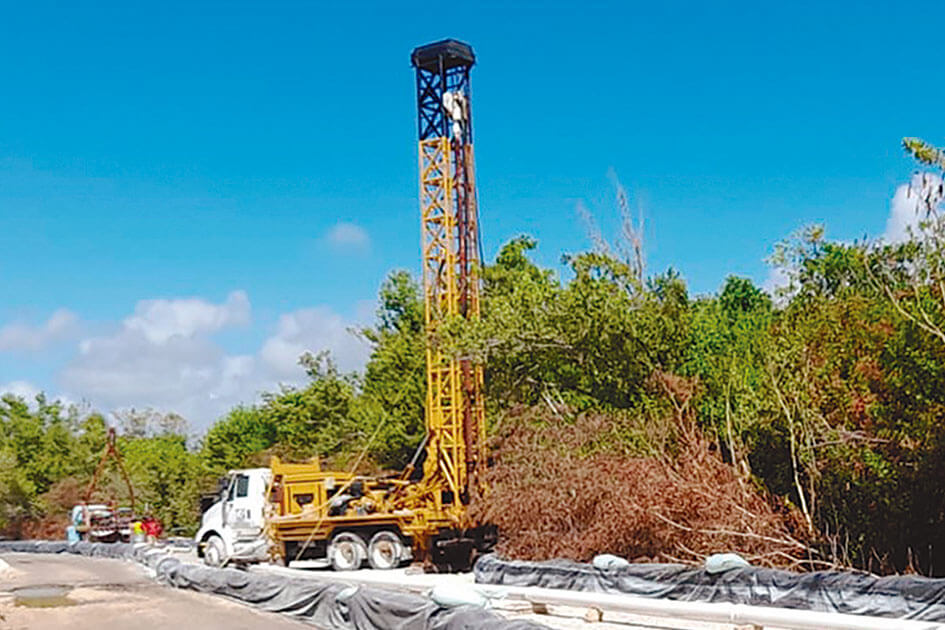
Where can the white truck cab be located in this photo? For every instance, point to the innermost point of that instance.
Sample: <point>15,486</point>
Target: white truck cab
<point>231,528</point>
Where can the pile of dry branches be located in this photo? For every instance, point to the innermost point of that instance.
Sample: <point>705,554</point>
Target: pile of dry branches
<point>555,493</point>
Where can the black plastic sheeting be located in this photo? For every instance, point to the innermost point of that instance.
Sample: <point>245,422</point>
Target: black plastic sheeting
<point>327,605</point>
<point>898,597</point>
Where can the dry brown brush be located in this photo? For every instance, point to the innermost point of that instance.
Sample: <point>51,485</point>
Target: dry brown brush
<point>557,491</point>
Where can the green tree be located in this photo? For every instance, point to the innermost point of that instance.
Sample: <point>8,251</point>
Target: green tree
<point>924,152</point>
<point>314,420</point>
<point>394,384</point>
<point>166,477</point>
<point>730,338</point>
<point>232,440</point>
<point>596,340</point>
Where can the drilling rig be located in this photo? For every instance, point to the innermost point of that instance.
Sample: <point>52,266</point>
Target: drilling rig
<point>351,519</point>
<point>451,256</point>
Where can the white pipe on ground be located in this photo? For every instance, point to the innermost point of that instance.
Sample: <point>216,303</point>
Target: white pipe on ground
<point>735,614</point>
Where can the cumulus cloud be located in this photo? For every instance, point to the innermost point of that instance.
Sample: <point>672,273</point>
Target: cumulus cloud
<point>164,356</point>
<point>22,389</point>
<point>128,367</point>
<point>909,205</point>
<point>348,236</point>
<point>312,330</point>
<point>24,337</point>
<point>28,392</point>
<point>161,320</point>
<point>777,280</point>
<point>903,216</point>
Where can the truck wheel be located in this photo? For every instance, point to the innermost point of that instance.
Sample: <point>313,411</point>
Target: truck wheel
<point>214,552</point>
<point>282,556</point>
<point>347,552</point>
<point>385,551</point>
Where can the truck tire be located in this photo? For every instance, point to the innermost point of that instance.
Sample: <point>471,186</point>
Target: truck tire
<point>214,552</point>
<point>385,551</point>
<point>286,554</point>
<point>347,552</point>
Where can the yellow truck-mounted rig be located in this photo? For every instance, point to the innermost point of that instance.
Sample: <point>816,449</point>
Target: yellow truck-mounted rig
<point>386,521</point>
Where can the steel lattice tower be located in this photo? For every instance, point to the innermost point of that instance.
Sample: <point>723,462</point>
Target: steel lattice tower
<point>451,260</point>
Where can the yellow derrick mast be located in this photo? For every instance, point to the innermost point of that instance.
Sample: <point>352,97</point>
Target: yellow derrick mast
<point>450,237</point>
<point>384,521</point>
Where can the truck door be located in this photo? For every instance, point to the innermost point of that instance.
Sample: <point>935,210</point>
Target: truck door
<point>238,512</point>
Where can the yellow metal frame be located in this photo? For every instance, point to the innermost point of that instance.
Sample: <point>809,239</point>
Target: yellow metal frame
<point>446,451</point>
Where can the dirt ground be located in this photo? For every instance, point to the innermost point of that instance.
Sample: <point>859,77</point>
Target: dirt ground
<point>112,594</point>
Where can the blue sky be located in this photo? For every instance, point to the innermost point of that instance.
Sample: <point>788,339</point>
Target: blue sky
<point>191,192</point>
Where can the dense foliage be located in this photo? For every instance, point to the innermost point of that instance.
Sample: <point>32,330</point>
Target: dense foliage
<point>833,401</point>
<point>828,395</point>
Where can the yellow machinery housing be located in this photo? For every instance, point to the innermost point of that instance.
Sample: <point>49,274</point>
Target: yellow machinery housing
<point>386,521</point>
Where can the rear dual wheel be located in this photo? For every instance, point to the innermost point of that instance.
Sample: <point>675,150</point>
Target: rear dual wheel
<point>348,551</point>
<point>385,551</point>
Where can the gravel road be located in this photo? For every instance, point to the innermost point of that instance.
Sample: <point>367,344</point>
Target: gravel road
<point>111,594</point>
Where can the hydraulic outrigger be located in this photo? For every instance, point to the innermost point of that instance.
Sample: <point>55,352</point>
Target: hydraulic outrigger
<point>349,518</point>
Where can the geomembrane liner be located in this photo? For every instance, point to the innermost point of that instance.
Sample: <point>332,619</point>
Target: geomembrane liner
<point>897,597</point>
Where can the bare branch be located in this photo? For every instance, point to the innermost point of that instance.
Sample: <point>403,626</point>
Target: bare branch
<point>726,532</point>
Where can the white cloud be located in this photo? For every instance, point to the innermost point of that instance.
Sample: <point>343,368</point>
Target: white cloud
<point>348,236</point>
<point>778,285</point>
<point>160,320</point>
<point>23,389</point>
<point>313,330</point>
<point>164,356</point>
<point>778,279</point>
<point>908,206</point>
<point>903,216</point>
<point>27,392</point>
<point>20,336</point>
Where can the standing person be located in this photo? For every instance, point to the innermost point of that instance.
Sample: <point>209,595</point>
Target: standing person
<point>152,528</point>
<point>137,531</point>
<point>77,520</point>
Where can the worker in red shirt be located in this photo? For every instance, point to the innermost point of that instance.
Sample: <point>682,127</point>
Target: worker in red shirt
<point>152,528</point>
